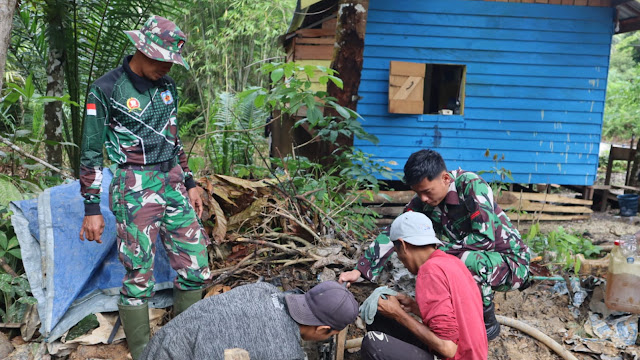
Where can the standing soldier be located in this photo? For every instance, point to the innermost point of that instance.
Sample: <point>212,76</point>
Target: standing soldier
<point>473,227</point>
<point>132,111</point>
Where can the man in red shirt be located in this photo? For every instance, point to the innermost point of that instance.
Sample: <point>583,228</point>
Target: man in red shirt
<point>447,300</point>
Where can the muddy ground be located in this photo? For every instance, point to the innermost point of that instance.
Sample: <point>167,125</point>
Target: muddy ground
<point>547,311</point>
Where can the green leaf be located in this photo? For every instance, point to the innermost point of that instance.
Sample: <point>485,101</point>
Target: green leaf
<point>277,74</point>
<point>6,287</point>
<point>13,242</point>
<point>342,111</point>
<point>260,100</point>
<point>28,300</point>
<point>29,88</point>
<point>8,192</point>
<point>336,80</point>
<point>4,244</point>
<point>16,253</point>
<point>6,278</point>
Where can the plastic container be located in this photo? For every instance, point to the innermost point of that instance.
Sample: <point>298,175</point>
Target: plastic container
<point>623,283</point>
<point>628,204</point>
<point>629,248</point>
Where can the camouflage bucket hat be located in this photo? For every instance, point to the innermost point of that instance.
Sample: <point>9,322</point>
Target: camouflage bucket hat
<point>160,39</point>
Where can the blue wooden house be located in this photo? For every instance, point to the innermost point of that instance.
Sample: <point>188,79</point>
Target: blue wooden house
<point>522,79</point>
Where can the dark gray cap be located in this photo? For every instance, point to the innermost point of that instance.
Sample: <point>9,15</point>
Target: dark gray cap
<point>327,303</point>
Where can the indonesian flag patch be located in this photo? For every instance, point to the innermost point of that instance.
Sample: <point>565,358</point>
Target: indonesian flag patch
<point>91,109</point>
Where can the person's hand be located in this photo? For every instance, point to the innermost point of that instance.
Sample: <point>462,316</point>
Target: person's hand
<point>390,307</point>
<point>408,304</point>
<point>196,200</point>
<point>349,276</point>
<point>92,227</point>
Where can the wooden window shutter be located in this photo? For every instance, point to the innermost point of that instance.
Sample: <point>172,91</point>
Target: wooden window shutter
<point>406,87</point>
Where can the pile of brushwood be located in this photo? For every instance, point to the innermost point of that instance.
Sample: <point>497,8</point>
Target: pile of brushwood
<point>259,229</point>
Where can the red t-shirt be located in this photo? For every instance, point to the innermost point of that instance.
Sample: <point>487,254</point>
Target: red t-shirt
<point>451,306</point>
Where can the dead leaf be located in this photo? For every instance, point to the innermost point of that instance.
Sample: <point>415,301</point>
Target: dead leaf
<point>217,290</point>
<point>252,185</point>
<point>220,228</point>
<point>252,212</point>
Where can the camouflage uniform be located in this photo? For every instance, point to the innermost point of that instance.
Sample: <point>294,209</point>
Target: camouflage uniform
<point>473,228</point>
<point>135,119</point>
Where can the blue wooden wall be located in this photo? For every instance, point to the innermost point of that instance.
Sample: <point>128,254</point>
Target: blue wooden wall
<point>535,86</point>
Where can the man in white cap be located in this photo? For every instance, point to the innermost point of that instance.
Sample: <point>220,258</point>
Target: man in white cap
<point>447,300</point>
<point>132,112</point>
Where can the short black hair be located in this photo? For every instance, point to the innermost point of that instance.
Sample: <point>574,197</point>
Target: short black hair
<point>422,164</point>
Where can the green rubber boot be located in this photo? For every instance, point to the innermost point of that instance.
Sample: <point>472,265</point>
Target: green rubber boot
<point>182,299</point>
<point>135,322</point>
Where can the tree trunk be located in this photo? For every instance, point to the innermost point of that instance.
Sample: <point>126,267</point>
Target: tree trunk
<point>634,176</point>
<point>6,21</point>
<point>347,59</point>
<point>55,84</point>
<point>53,110</point>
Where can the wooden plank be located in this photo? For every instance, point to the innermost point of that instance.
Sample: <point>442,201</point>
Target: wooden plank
<point>406,107</point>
<point>316,32</point>
<point>476,8</point>
<point>498,34</point>
<point>316,41</point>
<point>626,187</point>
<point>546,217</point>
<point>567,2</point>
<point>396,197</point>
<point>392,211</point>
<point>397,82</point>
<point>411,89</point>
<point>510,196</point>
<point>546,208</point>
<point>406,68</point>
<point>581,2</point>
<point>330,24</point>
<point>313,52</point>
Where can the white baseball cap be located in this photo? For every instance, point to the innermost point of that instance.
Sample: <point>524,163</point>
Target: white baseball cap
<point>415,228</point>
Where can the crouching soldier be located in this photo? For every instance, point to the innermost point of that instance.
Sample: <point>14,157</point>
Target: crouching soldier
<point>471,224</point>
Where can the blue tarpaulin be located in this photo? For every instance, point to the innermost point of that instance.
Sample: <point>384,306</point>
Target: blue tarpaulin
<point>71,278</point>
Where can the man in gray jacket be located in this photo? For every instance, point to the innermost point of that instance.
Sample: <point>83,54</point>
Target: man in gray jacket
<point>258,318</point>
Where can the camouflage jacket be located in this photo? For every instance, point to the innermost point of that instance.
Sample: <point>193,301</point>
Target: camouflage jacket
<point>468,219</point>
<point>135,119</point>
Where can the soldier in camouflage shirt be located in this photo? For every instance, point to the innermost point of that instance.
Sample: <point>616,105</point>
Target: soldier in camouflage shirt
<point>470,223</point>
<point>132,112</point>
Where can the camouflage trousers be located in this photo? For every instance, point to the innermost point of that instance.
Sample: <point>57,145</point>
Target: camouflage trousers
<point>495,271</point>
<point>147,203</point>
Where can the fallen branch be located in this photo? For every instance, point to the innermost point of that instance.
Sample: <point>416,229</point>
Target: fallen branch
<point>538,335</point>
<point>7,268</point>
<point>38,160</point>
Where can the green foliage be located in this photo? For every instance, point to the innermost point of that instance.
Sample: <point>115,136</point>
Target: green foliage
<point>560,247</point>
<point>622,111</point>
<point>498,175</point>
<point>14,291</point>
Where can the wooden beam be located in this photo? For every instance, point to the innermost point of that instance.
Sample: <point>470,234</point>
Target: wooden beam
<point>395,197</point>
<point>510,196</point>
<point>545,217</point>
